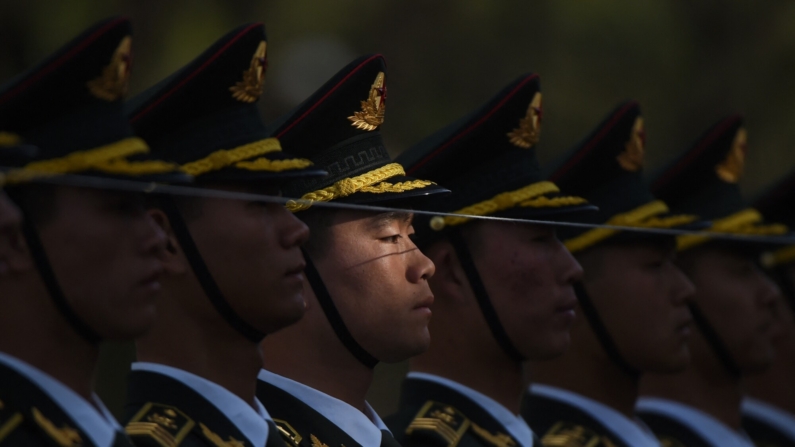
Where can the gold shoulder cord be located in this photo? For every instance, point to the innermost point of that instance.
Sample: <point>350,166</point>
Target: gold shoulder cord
<point>65,436</point>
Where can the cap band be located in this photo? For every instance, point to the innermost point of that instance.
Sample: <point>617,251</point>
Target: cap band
<point>743,222</point>
<point>372,182</point>
<point>527,196</point>
<point>641,217</point>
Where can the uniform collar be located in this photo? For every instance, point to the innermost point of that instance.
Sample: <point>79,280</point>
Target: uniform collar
<point>513,424</point>
<point>93,420</point>
<point>712,430</point>
<point>631,431</point>
<point>781,419</point>
<point>364,427</point>
<point>251,423</point>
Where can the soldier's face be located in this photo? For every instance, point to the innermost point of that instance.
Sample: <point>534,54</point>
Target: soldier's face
<point>10,220</point>
<point>528,274</point>
<point>104,249</point>
<point>641,297</point>
<point>737,299</point>
<point>378,280</point>
<point>253,251</point>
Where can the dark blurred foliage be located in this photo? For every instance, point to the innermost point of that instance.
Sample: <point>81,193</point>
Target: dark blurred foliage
<point>688,63</point>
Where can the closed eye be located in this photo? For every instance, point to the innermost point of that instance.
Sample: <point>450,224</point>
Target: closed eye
<point>394,239</point>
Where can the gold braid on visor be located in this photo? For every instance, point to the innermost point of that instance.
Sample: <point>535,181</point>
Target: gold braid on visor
<point>778,257</point>
<point>743,222</point>
<point>109,158</point>
<point>530,196</point>
<point>372,182</point>
<point>8,139</point>
<point>643,216</point>
<point>240,158</point>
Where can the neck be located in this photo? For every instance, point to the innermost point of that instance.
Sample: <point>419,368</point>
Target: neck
<point>32,330</point>
<point>490,371</point>
<point>705,385</point>
<point>591,375</point>
<point>206,346</point>
<point>774,386</point>
<point>333,369</point>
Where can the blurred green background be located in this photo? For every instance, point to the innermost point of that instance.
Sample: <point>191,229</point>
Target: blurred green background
<point>688,63</point>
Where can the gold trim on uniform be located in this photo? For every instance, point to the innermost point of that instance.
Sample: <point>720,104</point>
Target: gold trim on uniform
<point>217,440</point>
<point>287,432</point>
<point>8,139</point>
<point>65,436</point>
<point>640,217</point>
<point>741,223</point>
<point>165,425</point>
<point>8,425</point>
<point>497,439</point>
<point>568,434</point>
<point>527,196</point>
<point>372,182</point>
<point>444,421</point>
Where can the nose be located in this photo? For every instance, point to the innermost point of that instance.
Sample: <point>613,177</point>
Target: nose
<point>420,267</point>
<point>154,236</point>
<point>570,270</point>
<point>10,216</point>
<point>683,288</point>
<point>293,232</point>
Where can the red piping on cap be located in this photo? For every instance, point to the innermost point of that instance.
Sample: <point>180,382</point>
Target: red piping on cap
<point>63,59</point>
<point>195,72</point>
<point>342,81</point>
<point>472,126</point>
<point>685,161</point>
<point>593,142</point>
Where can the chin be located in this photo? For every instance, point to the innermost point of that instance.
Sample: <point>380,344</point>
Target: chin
<point>554,349</point>
<point>405,351</point>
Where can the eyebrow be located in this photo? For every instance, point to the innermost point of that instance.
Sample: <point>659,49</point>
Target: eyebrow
<point>384,219</point>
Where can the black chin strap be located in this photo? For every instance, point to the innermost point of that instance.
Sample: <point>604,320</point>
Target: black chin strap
<point>333,315</point>
<point>607,342</point>
<point>202,273</point>
<point>482,297</point>
<point>47,274</point>
<point>714,340</point>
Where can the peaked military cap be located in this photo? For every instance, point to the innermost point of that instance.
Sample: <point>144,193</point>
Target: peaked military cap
<point>205,116</point>
<point>338,129</point>
<point>70,108</point>
<point>704,181</point>
<point>488,160</point>
<point>606,168</point>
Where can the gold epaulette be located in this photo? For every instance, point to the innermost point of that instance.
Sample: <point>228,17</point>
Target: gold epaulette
<point>288,433</point>
<point>9,421</point>
<point>568,434</point>
<point>439,423</point>
<point>157,425</point>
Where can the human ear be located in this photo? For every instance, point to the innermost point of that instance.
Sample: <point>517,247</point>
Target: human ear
<point>174,261</point>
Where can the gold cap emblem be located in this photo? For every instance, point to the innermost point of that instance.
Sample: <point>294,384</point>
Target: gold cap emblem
<point>372,114</point>
<point>111,85</point>
<point>632,157</point>
<point>250,88</point>
<point>529,130</point>
<point>731,169</point>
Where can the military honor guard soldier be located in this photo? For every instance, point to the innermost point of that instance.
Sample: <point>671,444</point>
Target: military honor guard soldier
<point>733,304</point>
<point>633,298</point>
<point>368,297</point>
<point>769,404</point>
<point>503,291</point>
<point>87,267</point>
<point>233,267</point>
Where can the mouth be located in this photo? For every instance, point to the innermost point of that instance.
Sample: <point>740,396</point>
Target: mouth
<point>152,281</point>
<point>425,303</point>
<point>568,306</point>
<point>298,270</point>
